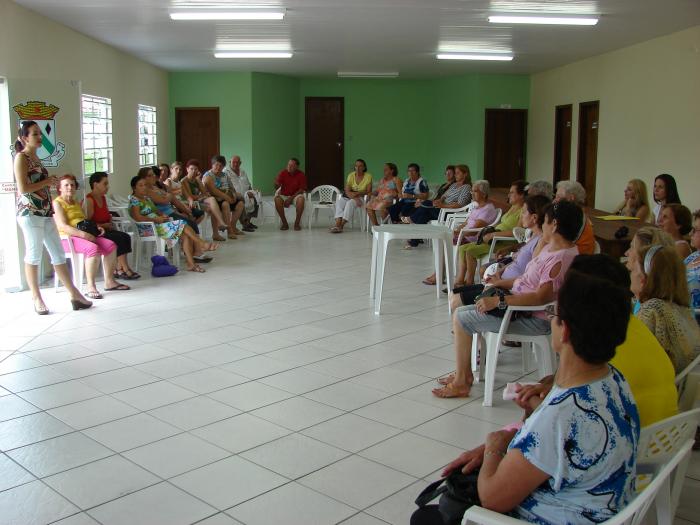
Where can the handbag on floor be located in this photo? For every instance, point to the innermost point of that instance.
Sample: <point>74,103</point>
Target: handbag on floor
<point>457,493</point>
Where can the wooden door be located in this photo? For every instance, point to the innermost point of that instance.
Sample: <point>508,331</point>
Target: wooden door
<point>325,137</point>
<point>562,142</point>
<point>197,134</point>
<point>587,160</point>
<point>505,140</point>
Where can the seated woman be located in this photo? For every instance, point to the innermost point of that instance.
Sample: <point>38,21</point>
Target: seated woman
<point>539,284</point>
<point>482,214</point>
<point>532,218</point>
<point>357,185</point>
<point>659,284</point>
<point>636,203</point>
<point>413,188</point>
<point>96,210</point>
<point>692,264</point>
<point>142,209</point>
<point>573,460</point>
<point>665,192</point>
<point>196,195</point>
<point>173,183</point>
<point>469,254</point>
<point>167,203</point>
<point>67,214</point>
<point>677,221</point>
<point>387,191</point>
<point>641,359</point>
<point>457,195</point>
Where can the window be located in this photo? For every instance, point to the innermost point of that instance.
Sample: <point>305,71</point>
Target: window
<point>148,143</point>
<point>98,152</point>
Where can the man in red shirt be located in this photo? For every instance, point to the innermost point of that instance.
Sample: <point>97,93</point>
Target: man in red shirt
<point>291,184</point>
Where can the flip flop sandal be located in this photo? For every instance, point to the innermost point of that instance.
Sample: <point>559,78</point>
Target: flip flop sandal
<point>119,287</point>
<point>94,295</point>
<point>446,380</point>
<point>197,269</point>
<point>428,282</point>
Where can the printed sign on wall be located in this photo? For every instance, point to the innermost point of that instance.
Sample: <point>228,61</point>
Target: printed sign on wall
<point>52,150</point>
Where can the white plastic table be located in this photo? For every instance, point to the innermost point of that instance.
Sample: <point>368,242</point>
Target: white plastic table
<point>383,234</point>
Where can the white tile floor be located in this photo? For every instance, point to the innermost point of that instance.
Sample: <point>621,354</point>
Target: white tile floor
<point>264,391</point>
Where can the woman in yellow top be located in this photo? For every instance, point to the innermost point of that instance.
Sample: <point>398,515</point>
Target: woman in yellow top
<point>357,185</point>
<point>67,214</point>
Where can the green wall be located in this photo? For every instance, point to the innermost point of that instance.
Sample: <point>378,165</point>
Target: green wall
<point>433,122</point>
<point>231,92</point>
<point>275,129</point>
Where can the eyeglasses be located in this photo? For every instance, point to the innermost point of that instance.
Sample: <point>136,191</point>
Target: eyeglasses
<point>551,311</point>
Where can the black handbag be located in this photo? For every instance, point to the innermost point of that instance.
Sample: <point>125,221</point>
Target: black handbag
<point>88,227</point>
<point>457,493</point>
<point>493,291</point>
<point>483,232</point>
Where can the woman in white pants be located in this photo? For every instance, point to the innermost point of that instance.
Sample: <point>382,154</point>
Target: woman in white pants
<point>357,185</point>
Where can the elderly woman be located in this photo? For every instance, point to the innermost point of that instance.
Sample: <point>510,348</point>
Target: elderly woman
<point>387,191</point>
<point>413,188</point>
<point>142,209</point>
<point>636,203</point>
<point>573,191</point>
<point>97,211</point>
<point>558,467</point>
<point>677,221</point>
<point>482,214</point>
<point>659,284</point>
<point>543,277</point>
<point>665,192</point>
<point>68,214</point>
<point>358,185</point>
<point>469,254</point>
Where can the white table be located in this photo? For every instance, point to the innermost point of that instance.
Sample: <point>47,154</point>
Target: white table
<point>383,234</point>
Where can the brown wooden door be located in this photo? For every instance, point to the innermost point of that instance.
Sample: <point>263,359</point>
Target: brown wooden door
<point>562,142</point>
<point>325,137</point>
<point>197,134</point>
<point>587,160</point>
<point>504,146</point>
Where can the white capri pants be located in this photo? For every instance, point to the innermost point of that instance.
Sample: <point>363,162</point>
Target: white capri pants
<point>39,232</point>
<point>345,208</point>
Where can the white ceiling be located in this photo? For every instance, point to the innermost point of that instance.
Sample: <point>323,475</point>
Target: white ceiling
<point>369,35</point>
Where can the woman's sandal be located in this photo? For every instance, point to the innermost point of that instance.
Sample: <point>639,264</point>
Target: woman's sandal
<point>219,238</point>
<point>450,391</point>
<point>197,269</point>
<point>335,229</point>
<point>119,287</point>
<point>211,247</point>
<point>94,295</point>
<point>446,380</point>
<point>40,307</point>
<point>430,281</point>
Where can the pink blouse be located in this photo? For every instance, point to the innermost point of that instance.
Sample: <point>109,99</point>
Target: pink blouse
<point>486,213</point>
<point>538,269</point>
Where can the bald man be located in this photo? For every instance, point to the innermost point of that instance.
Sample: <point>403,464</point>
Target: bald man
<point>244,190</point>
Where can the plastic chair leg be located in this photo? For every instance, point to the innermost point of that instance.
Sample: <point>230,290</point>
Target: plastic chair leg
<point>373,265</point>
<point>382,246</point>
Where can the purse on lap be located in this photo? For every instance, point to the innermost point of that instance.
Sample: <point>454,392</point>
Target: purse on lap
<point>457,493</point>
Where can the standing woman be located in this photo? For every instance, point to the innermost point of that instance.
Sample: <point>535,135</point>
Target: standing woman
<point>357,185</point>
<point>665,192</point>
<point>97,211</point>
<point>34,216</point>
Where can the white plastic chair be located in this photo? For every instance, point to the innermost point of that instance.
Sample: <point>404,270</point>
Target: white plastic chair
<point>77,265</point>
<point>446,212</point>
<point>633,514</point>
<point>687,385</point>
<point>492,343</point>
<point>472,231</point>
<point>127,226</point>
<point>658,443</point>
<point>327,196</point>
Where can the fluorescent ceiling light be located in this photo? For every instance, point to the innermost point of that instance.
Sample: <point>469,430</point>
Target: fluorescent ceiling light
<point>473,56</point>
<point>228,15</point>
<point>253,54</point>
<point>367,74</point>
<point>543,19</point>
